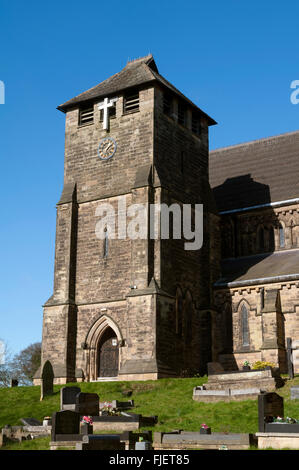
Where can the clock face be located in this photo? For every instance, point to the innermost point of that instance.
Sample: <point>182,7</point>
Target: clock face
<point>107,148</point>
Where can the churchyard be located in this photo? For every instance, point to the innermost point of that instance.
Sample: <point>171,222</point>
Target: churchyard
<point>169,399</point>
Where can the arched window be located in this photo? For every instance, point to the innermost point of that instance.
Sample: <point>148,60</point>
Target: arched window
<point>281,236</point>
<point>244,325</point>
<point>179,312</point>
<point>106,244</point>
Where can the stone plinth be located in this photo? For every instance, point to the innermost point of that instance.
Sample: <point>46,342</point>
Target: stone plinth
<point>227,395</point>
<point>277,440</point>
<point>262,379</point>
<point>195,440</point>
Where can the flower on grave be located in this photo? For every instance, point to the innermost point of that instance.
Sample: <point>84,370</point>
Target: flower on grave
<point>278,419</point>
<point>107,406</point>
<point>87,420</point>
<point>204,426</point>
<point>246,363</point>
<point>290,420</point>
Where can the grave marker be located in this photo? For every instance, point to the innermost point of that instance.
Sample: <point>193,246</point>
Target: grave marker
<point>88,404</point>
<point>65,426</point>
<point>68,398</point>
<point>269,405</point>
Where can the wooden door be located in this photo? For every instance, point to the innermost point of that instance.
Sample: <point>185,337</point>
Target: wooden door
<point>108,355</point>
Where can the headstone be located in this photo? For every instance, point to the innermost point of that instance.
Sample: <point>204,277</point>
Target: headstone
<point>47,421</point>
<point>294,393</point>
<point>214,368</point>
<point>269,405</point>
<point>143,445</point>
<point>86,428</point>
<point>14,383</point>
<point>64,425</point>
<point>68,398</point>
<point>87,404</point>
<point>31,422</point>
<point>47,379</point>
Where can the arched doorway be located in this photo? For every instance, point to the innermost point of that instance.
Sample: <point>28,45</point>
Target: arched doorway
<point>108,354</point>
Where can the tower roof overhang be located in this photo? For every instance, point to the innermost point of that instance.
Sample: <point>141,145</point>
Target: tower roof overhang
<point>137,73</point>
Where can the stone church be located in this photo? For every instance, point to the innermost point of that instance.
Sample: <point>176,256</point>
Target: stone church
<point>147,308</point>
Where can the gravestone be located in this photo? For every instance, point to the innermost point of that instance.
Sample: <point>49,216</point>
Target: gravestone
<point>269,405</point>
<point>294,393</point>
<point>86,428</point>
<point>88,404</point>
<point>143,445</point>
<point>65,426</point>
<point>214,368</point>
<point>14,383</point>
<point>68,398</point>
<point>47,379</point>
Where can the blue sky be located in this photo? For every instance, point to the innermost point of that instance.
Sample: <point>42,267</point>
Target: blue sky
<point>235,59</point>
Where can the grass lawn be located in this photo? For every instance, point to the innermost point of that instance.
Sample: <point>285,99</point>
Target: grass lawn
<point>170,399</point>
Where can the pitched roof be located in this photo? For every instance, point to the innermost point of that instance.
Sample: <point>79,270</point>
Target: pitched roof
<point>259,269</point>
<point>254,173</point>
<point>137,72</point>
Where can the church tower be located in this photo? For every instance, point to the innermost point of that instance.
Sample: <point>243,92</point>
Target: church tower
<point>132,308</point>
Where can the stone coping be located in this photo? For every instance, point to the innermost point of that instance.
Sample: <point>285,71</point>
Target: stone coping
<point>214,438</point>
<point>241,375</point>
<point>278,434</point>
<point>226,392</point>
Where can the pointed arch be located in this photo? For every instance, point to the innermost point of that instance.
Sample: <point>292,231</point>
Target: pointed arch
<point>92,341</point>
<point>98,328</point>
<point>281,233</point>
<point>244,323</point>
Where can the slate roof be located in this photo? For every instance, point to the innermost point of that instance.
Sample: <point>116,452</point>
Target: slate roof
<point>278,265</point>
<point>135,73</point>
<point>258,172</point>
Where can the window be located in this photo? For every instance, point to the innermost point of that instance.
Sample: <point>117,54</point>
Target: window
<point>106,245</point>
<point>196,125</point>
<point>85,116</point>
<point>244,325</point>
<point>167,104</point>
<point>181,114</point>
<point>281,236</point>
<point>131,101</point>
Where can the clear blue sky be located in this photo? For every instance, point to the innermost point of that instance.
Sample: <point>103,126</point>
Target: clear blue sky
<point>233,58</point>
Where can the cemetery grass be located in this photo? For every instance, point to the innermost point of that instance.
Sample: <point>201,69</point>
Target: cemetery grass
<point>169,399</point>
